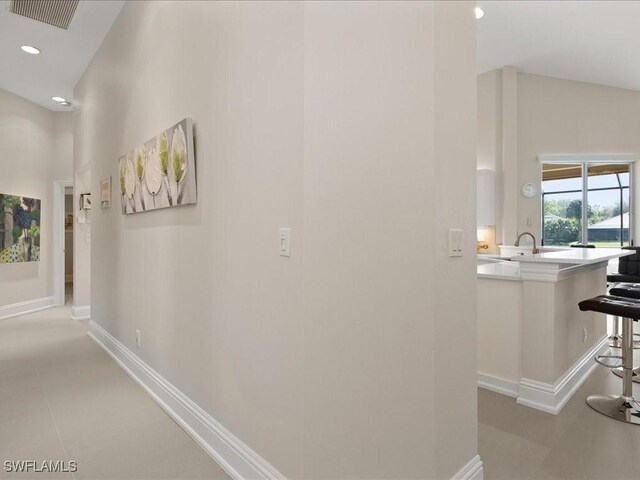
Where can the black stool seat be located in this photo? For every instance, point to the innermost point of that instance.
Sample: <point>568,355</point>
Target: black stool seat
<point>620,407</point>
<point>612,305</point>
<point>621,277</point>
<point>629,290</point>
<point>628,268</point>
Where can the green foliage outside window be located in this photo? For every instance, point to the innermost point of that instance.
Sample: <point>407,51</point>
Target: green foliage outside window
<point>561,231</point>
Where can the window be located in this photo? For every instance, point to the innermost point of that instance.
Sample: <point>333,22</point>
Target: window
<point>597,192</point>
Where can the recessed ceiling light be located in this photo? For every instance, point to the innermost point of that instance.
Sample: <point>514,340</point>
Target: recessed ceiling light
<point>59,99</point>
<point>479,13</point>
<point>65,104</point>
<point>30,49</point>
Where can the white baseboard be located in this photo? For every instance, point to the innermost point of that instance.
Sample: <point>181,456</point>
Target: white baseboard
<point>551,398</point>
<point>473,470</point>
<point>23,308</point>
<point>236,458</point>
<point>81,313</point>
<point>498,385</point>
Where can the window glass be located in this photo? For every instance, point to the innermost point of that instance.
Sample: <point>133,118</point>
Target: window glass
<point>624,179</point>
<point>607,198</point>
<point>608,205</point>
<point>562,185</point>
<point>562,218</point>
<point>603,181</point>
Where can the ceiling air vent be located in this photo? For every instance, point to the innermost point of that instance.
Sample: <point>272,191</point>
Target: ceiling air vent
<point>54,12</point>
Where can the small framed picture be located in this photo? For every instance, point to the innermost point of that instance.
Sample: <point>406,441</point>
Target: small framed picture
<point>105,193</point>
<point>85,201</point>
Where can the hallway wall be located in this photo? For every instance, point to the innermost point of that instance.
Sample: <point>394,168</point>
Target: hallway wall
<point>354,125</point>
<point>33,142</point>
<point>63,148</point>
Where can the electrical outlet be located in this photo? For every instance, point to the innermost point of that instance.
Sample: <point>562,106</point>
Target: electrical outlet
<point>585,335</point>
<point>138,339</point>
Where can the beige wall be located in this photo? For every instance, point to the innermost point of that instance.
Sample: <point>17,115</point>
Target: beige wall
<point>562,116</point>
<point>500,328</point>
<point>82,184</point>
<point>554,116</point>
<point>490,120</point>
<point>335,119</point>
<point>63,138</point>
<point>31,158</point>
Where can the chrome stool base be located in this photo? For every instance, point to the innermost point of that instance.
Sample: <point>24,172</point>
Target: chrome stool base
<point>615,341</point>
<point>636,373</point>
<point>625,409</point>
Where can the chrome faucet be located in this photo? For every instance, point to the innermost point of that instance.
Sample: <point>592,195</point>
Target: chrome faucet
<point>535,249</point>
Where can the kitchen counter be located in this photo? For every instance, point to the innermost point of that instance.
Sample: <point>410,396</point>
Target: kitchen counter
<point>574,256</point>
<point>534,343</point>
<point>500,270</point>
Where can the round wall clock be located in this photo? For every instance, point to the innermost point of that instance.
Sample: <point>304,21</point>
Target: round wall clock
<point>529,190</point>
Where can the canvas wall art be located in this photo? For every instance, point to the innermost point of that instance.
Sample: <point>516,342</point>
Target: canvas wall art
<point>19,229</point>
<point>160,173</point>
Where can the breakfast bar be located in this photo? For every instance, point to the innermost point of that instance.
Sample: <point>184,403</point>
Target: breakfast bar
<point>533,342</point>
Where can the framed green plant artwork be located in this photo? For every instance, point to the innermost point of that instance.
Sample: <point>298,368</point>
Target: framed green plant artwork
<point>19,229</point>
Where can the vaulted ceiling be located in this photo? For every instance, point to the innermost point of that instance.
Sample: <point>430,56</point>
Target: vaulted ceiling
<point>65,53</point>
<point>589,41</point>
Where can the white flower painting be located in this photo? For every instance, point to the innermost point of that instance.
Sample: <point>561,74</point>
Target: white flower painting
<point>161,172</point>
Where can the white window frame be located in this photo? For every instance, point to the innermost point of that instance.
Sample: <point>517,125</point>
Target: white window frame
<point>588,159</point>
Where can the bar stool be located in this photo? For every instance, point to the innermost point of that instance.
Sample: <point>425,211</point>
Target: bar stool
<point>628,271</point>
<point>627,290</point>
<point>620,407</point>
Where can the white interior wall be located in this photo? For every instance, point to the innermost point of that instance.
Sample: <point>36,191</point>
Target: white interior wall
<point>344,122</point>
<point>500,329</point>
<point>63,146</point>
<point>33,153</point>
<point>453,202</point>
<point>81,231</point>
<point>490,120</point>
<point>562,116</point>
<point>553,116</point>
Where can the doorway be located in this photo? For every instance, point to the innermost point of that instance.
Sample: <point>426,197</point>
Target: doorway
<point>68,245</point>
<point>63,223</point>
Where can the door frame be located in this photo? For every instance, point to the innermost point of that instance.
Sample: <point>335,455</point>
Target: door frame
<point>59,191</point>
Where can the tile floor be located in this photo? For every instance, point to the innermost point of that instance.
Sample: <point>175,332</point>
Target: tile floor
<point>517,442</point>
<point>63,398</point>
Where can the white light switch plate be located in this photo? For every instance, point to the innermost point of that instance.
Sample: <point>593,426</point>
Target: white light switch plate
<point>455,242</point>
<point>285,242</point>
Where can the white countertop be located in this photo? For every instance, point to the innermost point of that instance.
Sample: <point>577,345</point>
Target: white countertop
<point>574,256</point>
<point>501,270</point>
